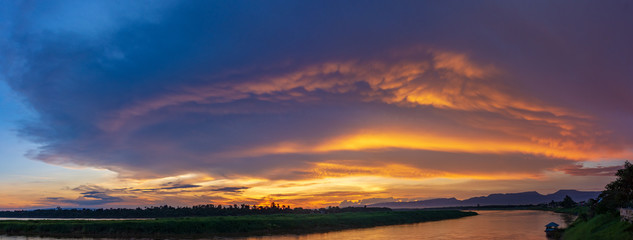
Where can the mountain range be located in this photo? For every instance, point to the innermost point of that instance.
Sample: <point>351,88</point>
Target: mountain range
<point>523,198</point>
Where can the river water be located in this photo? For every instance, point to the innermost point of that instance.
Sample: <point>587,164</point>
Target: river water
<point>516,224</point>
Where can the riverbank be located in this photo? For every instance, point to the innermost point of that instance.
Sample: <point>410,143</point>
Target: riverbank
<point>603,226</point>
<point>223,225</point>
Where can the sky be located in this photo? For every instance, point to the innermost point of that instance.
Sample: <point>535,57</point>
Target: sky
<point>309,103</point>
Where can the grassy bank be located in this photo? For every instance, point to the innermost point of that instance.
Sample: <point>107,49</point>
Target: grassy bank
<point>603,226</point>
<point>223,226</point>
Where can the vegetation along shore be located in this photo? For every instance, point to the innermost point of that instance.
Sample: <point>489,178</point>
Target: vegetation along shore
<point>601,218</point>
<point>245,225</point>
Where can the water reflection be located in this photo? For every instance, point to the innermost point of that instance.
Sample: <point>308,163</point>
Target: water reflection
<point>504,225</point>
<point>519,224</point>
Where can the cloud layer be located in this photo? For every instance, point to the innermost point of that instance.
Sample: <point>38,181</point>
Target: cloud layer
<point>296,91</point>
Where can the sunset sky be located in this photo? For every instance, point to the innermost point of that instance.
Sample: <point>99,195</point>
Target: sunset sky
<point>309,103</point>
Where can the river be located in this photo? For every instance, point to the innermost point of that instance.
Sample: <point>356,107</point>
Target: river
<point>515,224</point>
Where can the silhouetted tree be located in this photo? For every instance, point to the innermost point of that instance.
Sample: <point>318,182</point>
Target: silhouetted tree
<point>568,202</point>
<point>169,211</point>
<point>618,193</point>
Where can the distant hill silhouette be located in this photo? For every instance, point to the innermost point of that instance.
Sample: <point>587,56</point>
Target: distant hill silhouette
<point>523,198</point>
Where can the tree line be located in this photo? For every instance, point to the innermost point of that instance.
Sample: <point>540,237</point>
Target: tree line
<point>169,211</point>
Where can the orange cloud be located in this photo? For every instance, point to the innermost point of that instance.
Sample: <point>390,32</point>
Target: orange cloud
<point>390,138</point>
<point>485,116</point>
<point>446,80</point>
<point>330,169</point>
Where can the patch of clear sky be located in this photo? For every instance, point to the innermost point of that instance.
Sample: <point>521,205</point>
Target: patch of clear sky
<point>13,162</point>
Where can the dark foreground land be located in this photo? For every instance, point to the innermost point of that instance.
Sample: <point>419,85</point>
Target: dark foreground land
<point>223,225</point>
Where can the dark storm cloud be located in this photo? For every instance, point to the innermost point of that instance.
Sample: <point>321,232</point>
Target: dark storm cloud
<point>578,170</point>
<point>178,186</point>
<point>431,163</point>
<point>230,189</point>
<point>86,199</point>
<point>167,91</point>
<point>573,54</point>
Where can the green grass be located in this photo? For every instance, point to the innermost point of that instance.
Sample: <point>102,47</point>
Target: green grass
<point>600,227</point>
<point>223,226</point>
